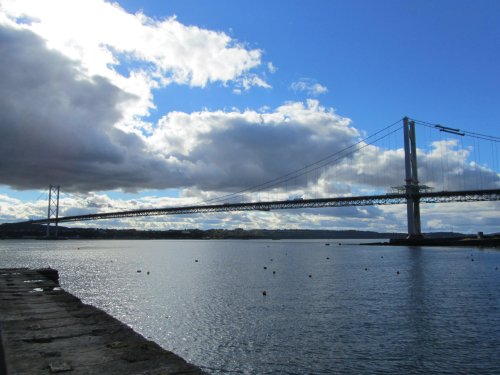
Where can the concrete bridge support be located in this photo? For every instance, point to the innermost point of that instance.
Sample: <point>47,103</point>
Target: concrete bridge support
<point>411,180</point>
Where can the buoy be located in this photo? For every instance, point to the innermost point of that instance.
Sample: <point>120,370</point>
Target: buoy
<point>310,276</point>
<point>139,271</point>
<point>264,293</point>
<point>472,260</point>
<point>340,244</point>
<point>397,273</point>
<point>265,268</point>
<point>196,260</point>
<point>327,258</point>
<point>366,269</point>
<point>274,272</point>
<point>327,244</point>
<point>148,273</point>
<point>382,256</point>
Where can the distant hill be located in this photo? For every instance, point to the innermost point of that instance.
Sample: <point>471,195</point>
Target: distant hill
<point>23,231</point>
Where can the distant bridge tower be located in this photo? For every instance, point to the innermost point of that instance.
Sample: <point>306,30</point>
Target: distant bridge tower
<point>412,188</point>
<point>53,210</point>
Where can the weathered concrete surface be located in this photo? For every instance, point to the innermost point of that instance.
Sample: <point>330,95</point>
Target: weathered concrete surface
<point>45,330</point>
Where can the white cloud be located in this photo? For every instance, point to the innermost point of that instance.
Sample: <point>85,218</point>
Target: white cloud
<point>247,81</point>
<point>447,217</point>
<point>253,80</point>
<point>272,69</point>
<point>230,150</point>
<point>445,166</point>
<point>309,87</point>
<point>104,39</point>
<point>12,209</point>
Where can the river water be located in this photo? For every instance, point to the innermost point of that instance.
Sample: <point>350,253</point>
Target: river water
<point>337,309</point>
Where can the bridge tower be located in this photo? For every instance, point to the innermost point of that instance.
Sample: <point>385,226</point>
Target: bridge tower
<point>53,210</point>
<point>411,186</point>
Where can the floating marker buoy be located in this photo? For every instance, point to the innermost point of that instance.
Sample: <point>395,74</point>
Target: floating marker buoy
<point>264,293</point>
<point>310,276</point>
<point>340,244</point>
<point>274,272</point>
<point>148,272</point>
<point>265,268</point>
<point>382,256</point>
<point>196,260</point>
<point>327,244</point>
<point>366,269</point>
<point>139,271</point>
<point>327,258</point>
<point>397,273</point>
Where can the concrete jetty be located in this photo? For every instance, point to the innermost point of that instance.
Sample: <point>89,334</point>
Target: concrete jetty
<point>45,330</point>
<point>490,241</point>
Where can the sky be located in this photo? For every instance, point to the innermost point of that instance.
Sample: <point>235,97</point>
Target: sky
<point>144,104</point>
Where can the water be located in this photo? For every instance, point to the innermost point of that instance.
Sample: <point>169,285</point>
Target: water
<point>354,314</point>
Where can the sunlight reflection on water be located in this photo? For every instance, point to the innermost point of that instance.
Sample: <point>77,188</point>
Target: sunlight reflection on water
<point>354,314</point>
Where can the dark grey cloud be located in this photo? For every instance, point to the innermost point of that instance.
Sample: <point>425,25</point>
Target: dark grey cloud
<point>227,151</point>
<point>247,154</point>
<point>57,127</point>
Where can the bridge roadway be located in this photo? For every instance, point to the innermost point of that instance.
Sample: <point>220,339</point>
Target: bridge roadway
<point>369,200</point>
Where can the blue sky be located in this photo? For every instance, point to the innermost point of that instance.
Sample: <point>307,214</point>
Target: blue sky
<point>154,103</point>
<point>432,60</point>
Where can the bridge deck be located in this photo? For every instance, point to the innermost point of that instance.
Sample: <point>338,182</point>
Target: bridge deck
<point>385,199</point>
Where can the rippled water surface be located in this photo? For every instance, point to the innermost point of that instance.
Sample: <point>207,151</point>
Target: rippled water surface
<point>328,309</point>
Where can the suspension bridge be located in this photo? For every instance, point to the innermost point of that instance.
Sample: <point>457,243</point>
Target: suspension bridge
<point>412,193</point>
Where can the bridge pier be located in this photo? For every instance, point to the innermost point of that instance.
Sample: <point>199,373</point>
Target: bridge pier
<point>412,188</point>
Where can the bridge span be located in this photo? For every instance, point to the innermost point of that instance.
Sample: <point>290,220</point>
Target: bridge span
<point>412,193</point>
<point>369,200</point>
